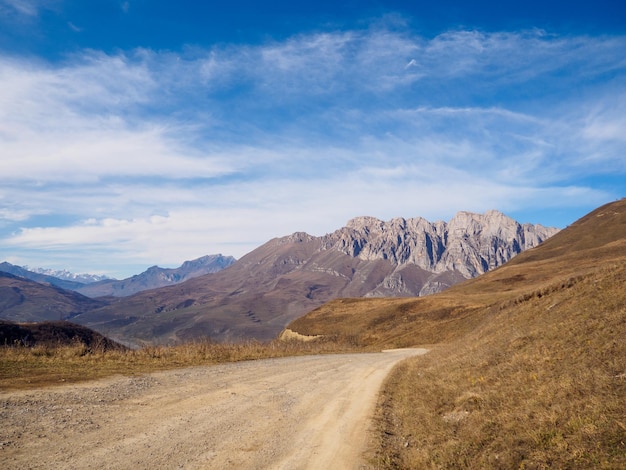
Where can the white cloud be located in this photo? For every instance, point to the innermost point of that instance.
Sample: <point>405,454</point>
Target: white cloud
<point>149,157</point>
<point>72,124</point>
<point>73,27</point>
<point>14,215</point>
<point>93,83</point>
<point>92,155</point>
<point>606,121</point>
<point>24,7</point>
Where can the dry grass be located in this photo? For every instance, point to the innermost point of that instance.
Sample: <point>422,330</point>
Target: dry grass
<point>540,384</point>
<point>32,367</point>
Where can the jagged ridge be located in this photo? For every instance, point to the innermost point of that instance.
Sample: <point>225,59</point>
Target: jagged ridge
<point>469,245</point>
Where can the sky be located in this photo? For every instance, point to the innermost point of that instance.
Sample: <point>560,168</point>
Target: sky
<point>149,132</point>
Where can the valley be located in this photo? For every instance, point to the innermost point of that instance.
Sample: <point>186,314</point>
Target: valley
<point>369,235</point>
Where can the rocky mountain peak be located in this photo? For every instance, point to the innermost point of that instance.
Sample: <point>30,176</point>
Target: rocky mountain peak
<point>469,243</point>
<point>215,262</point>
<point>365,223</point>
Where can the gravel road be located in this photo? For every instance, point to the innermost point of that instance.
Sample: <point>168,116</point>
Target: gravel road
<point>309,412</point>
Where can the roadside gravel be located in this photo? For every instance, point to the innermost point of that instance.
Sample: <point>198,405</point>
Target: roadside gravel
<point>309,412</point>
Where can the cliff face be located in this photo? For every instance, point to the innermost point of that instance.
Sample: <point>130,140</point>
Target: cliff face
<point>465,247</point>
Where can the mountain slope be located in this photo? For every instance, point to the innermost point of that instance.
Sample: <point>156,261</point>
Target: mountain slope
<point>24,300</point>
<point>289,276</point>
<point>155,277</point>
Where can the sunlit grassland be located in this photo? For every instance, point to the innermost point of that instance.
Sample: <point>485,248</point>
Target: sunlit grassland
<point>540,384</point>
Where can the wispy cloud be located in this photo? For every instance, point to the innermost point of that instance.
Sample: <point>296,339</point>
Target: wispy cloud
<point>161,156</point>
<point>23,7</point>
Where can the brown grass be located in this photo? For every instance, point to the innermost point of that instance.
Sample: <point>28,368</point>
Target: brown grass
<point>31,367</point>
<point>540,384</point>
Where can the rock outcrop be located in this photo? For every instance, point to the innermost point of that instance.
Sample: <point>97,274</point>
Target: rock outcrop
<point>465,247</point>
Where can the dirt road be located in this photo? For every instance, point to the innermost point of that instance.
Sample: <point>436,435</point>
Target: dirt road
<point>292,413</point>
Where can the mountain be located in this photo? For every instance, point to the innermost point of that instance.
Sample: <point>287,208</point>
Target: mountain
<point>24,300</point>
<point>43,278</point>
<point>155,277</point>
<point>591,244</point>
<point>289,276</point>
<point>66,275</point>
<point>429,257</point>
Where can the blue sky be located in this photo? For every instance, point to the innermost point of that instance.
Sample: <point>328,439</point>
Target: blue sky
<point>144,132</point>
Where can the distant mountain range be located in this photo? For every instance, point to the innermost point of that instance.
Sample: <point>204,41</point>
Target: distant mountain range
<point>290,276</point>
<point>39,296</point>
<point>67,275</point>
<point>39,276</point>
<point>155,277</point>
<point>92,285</point>
<point>429,257</point>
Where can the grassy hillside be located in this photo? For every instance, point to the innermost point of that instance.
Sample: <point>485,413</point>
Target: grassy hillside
<point>537,384</point>
<point>528,362</point>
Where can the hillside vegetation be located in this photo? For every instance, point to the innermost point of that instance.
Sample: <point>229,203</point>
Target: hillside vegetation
<point>527,367</point>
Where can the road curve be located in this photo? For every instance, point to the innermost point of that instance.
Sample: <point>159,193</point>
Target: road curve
<point>308,412</point>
